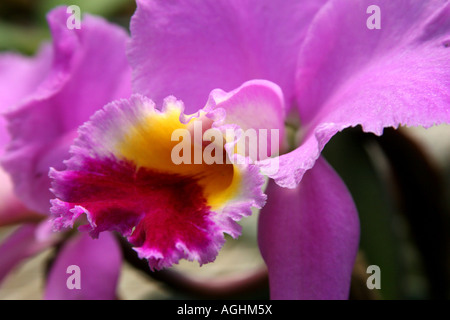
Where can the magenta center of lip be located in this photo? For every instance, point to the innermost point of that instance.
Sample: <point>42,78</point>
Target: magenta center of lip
<point>164,209</point>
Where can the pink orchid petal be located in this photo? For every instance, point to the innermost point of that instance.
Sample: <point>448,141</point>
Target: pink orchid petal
<point>257,105</point>
<point>309,236</point>
<point>12,210</point>
<point>351,75</point>
<point>88,69</point>
<point>19,77</point>
<point>21,244</point>
<point>187,48</point>
<point>4,135</point>
<point>99,262</point>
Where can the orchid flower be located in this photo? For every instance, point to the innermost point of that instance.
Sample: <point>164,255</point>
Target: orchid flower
<point>316,59</point>
<point>45,99</point>
<point>138,193</point>
<point>334,71</point>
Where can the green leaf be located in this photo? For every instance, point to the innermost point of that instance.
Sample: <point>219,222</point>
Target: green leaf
<point>20,38</point>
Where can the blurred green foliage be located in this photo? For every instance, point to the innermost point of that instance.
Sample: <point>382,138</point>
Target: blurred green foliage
<point>23,25</point>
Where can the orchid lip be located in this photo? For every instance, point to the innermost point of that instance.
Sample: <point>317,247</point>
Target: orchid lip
<point>121,175</point>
